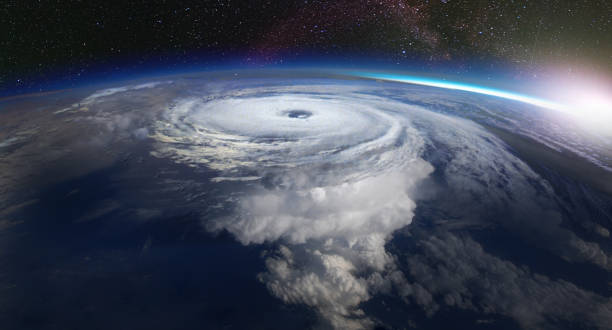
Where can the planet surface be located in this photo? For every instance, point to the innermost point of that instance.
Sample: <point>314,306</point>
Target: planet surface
<point>284,199</point>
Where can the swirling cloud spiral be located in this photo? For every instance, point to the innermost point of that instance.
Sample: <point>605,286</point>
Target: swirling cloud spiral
<point>329,172</point>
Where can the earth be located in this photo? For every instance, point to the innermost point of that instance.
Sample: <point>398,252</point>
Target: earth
<point>285,199</point>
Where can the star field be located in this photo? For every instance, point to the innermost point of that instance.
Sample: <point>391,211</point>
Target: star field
<point>46,39</point>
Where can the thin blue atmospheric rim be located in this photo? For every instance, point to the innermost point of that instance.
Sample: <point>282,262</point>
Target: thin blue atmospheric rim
<point>461,87</point>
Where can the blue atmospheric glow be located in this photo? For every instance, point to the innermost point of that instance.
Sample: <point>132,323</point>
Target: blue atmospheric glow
<point>461,87</point>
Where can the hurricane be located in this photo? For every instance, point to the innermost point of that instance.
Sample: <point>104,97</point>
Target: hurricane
<point>342,201</point>
<point>333,171</point>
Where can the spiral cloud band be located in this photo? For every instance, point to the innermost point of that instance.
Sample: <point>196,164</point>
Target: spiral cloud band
<point>346,166</point>
<point>289,131</point>
<point>332,171</point>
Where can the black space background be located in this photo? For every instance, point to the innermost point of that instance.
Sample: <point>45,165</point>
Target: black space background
<point>43,41</point>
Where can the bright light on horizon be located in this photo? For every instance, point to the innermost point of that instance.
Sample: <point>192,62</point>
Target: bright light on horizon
<point>464,87</point>
<point>589,99</point>
<point>588,104</point>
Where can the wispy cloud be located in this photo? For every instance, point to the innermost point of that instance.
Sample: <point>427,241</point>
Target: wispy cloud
<point>455,271</point>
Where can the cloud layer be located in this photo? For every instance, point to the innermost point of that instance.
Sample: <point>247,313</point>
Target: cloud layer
<point>325,173</point>
<point>455,271</point>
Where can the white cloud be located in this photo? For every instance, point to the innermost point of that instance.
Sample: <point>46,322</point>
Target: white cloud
<point>455,271</point>
<point>102,95</point>
<point>323,281</point>
<point>351,210</point>
<point>112,91</point>
<point>338,233</point>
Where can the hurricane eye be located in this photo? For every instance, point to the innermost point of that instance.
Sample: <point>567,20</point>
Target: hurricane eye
<point>298,114</point>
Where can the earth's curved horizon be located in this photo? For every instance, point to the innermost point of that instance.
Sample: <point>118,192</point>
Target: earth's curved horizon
<point>301,199</point>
